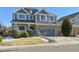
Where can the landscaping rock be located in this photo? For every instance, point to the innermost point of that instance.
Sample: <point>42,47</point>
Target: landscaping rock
<point>51,41</point>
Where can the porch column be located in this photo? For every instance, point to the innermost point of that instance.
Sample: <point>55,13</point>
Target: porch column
<point>16,27</point>
<point>28,25</point>
<point>25,28</point>
<point>36,18</point>
<point>39,17</point>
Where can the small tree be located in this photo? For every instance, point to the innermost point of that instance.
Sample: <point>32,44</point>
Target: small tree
<point>25,34</point>
<point>16,34</point>
<point>66,27</point>
<point>1,38</point>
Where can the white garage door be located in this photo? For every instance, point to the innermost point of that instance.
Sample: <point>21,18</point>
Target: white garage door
<point>48,32</point>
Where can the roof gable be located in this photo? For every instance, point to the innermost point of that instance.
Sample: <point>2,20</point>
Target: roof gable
<point>32,9</point>
<point>43,12</point>
<point>21,11</point>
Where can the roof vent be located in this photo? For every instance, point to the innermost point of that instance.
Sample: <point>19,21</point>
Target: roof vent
<point>31,11</point>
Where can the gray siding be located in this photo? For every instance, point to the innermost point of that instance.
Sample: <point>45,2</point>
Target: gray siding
<point>48,20</point>
<point>42,12</point>
<point>39,21</point>
<point>27,20</point>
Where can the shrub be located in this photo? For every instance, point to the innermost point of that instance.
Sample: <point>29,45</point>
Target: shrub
<point>1,38</point>
<point>66,27</point>
<point>25,34</point>
<point>16,34</point>
<point>30,33</point>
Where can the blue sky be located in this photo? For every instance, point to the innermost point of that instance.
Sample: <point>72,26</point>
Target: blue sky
<point>6,12</point>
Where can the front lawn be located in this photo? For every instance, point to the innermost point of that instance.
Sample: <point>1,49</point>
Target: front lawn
<point>24,41</point>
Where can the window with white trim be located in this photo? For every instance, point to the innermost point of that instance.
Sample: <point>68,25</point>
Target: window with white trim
<point>43,17</point>
<point>21,16</point>
<point>52,19</point>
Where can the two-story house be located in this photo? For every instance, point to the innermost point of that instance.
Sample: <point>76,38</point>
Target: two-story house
<point>32,18</point>
<point>74,18</point>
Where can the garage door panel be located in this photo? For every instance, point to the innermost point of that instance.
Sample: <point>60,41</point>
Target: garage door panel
<point>48,32</point>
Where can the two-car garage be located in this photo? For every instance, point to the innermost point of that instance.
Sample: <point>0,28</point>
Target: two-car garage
<point>47,30</point>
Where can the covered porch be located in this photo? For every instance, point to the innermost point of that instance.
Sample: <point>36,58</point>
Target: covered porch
<point>23,27</point>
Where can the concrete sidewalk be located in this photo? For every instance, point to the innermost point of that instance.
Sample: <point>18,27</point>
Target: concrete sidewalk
<point>64,44</point>
<point>50,47</point>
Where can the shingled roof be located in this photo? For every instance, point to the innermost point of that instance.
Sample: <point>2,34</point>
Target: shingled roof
<point>69,16</point>
<point>34,10</point>
<point>20,11</point>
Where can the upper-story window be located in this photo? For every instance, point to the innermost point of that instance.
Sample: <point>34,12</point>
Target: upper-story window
<point>21,16</point>
<point>52,18</point>
<point>43,17</point>
<point>76,21</point>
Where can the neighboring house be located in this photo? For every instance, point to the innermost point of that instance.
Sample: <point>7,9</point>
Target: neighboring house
<point>31,18</point>
<point>74,18</point>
